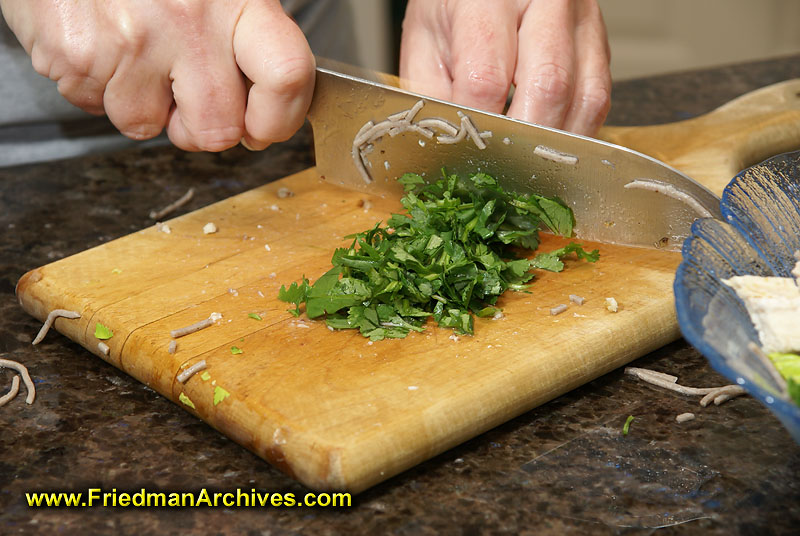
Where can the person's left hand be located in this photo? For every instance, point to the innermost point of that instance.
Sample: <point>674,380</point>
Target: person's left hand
<point>470,52</point>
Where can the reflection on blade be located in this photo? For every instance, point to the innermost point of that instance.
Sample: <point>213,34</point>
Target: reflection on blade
<point>367,134</point>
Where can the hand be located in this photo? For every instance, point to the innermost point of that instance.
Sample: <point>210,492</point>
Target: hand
<point>183,64</point>
<point>470,51</point>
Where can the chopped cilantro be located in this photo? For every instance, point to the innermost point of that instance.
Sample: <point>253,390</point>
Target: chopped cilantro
<point>236,350</point>
<point>220,394</point>
<point>102,332</point>
<point>186,400</point>
<point>627,425</point>
<point>205,376</point>
<point>449,256</point>
<point>254,316</point>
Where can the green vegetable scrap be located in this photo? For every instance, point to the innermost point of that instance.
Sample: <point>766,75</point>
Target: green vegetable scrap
<point>627,425</point>
<point>788,366</point>
<point>205,376</point>
<point>254,316</point>
<point>102,332</point>
<point>236,350</point>
<point>449,256</point>
<point>186,400</point>
<point>220,394</point>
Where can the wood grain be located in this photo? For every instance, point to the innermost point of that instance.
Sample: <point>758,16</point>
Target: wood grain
<point>330,408</point>
<point>714,147</point>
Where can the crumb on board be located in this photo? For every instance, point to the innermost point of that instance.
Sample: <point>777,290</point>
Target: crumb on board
<point>209,228</point>
<point>163,227</point>
<point>284,192</point>
<point>577,300</point>
<point>266,246</point>
<point>612,305</point>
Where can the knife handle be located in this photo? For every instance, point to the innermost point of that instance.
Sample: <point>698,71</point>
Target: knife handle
<point>714,147</point>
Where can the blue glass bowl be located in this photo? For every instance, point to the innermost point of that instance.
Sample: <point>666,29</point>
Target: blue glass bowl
<point>759,235</point>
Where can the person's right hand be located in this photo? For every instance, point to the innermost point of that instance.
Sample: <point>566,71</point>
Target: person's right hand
<point>179,64</point>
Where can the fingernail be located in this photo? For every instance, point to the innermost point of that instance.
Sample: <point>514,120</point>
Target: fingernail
<point>245,144</point>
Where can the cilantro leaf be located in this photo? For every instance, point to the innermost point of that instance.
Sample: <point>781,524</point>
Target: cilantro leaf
<point>102,332</point>
<point>186,400</point>
<point>220,394</point>
<point>254,316</point>
<point>295,294</point>
<point>552,260</point>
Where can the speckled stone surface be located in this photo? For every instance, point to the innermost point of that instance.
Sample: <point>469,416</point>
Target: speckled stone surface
<point>563,468</point>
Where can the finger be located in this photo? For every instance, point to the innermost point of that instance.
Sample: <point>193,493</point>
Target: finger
<point>544,76</point>
<point>592,98</point>
<point>83,91</point>
<point>422,65</point>
<point>272,52</point>
<point>484,53</point>
<point>209,94</point>
<point>137,101</point>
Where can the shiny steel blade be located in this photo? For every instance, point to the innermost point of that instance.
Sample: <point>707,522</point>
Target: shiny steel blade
<point>589,175</point>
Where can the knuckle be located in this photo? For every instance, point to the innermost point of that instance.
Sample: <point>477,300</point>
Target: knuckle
<point>552,83</point>
<point>79,60</point>
<point>41,61</point>
<point>596,100</point>
<point>186,8</point>
<point>487,82</point>
<point>291,76</point>
<point>82,92</point>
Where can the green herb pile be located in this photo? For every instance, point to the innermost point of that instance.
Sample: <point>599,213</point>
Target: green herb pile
<point>451,255</point>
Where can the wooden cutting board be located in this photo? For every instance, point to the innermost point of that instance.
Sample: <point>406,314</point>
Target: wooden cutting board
<point>330,408</point>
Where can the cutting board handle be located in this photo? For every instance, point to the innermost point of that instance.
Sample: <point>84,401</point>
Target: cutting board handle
<point>714,147</point>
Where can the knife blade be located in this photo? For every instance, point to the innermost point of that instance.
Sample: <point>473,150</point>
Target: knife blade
<point>367,133</point>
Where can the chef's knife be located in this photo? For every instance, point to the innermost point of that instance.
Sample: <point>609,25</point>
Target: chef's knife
<point>367,133</point>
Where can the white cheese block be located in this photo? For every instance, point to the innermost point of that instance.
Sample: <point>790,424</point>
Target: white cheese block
<point>773,304</point>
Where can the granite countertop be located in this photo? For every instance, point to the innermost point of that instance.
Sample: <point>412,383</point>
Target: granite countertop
<point>563,467</point>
